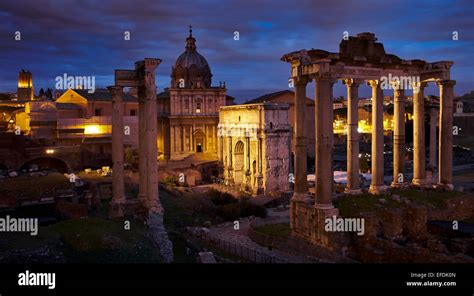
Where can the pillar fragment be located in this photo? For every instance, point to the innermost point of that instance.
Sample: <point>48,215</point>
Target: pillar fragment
<point>118,186</point>
<point>142,171</point>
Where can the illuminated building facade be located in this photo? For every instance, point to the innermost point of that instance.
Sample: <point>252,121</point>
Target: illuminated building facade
<point>188,112</point>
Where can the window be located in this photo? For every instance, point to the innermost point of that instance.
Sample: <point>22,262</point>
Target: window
<point>133,112</point>
<point>198,108</point>
<point>97,112</point>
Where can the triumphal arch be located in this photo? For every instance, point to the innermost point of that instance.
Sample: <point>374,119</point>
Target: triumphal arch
<point>362,60</point>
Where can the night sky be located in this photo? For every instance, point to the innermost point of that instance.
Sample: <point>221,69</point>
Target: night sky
<point>87,37</point>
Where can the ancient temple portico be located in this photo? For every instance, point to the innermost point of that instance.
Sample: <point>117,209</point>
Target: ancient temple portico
<point>142,78</point>
<point>361,59</point>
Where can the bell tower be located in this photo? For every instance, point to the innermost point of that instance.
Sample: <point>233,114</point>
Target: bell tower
<point>25,86</point>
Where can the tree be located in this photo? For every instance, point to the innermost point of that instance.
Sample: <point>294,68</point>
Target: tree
<point>49,94</point>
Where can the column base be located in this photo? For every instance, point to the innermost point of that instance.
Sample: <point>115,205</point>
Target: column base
<point>399,185</point>
<point>155,208</point>
<point>443,186</point>
<point>323,214</point>
<point>419,182</point>
<point>324,206</point>
<point>378,189</point>
<point>259,189</point>
<point>301,197</point>
<point>230,177</point>
<point>116,209</point>
<point>247,184</point>
<point>143,199</point>
<point>353,191</point>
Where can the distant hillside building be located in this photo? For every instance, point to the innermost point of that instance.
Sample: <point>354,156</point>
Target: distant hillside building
<point>78,117</point>
<point>464,116</point>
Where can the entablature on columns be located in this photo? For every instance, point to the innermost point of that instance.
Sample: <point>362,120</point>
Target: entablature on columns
<point>368,72</point>
<point>363,58</point>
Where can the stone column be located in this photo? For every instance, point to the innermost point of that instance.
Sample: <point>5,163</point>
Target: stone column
<point>150,66</point>
<point>433,150</point>
<point>300,159</point>
<point>433,123</point>
<point>142,150</point>
<point>399,179</point>
<point>324,135</point>
<point>353,186</point>
<point>214,139</point>
<point>377,185</point>
<point>205,147</point>
<point>445,162</point>
<point>230,169</point>
<point>192,146</point>
<point>248,173</point>
<point>118,185</point>
<point>221,146</point>
<point>184,147</point>
<point>419,151</point>
<point>260,164</point>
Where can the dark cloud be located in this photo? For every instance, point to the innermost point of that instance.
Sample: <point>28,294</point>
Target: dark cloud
<point>86,37</point>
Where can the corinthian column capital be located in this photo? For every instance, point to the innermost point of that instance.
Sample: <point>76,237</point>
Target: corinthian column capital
<point>374,83</point>
<point>351,82</point>
<point>301,80</point>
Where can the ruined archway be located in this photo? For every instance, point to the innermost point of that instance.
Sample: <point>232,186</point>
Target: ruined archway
<point>239,162</point>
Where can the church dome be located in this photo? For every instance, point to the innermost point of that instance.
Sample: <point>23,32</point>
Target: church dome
<point>191,69</point>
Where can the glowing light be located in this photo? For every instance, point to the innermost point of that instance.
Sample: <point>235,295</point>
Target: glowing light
<point>50,151</point>
<point>92,130</point>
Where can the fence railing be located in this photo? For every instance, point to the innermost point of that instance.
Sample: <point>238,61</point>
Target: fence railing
<point>239,250</point>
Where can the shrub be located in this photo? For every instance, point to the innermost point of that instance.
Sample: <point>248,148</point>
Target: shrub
<point>236,210</point>
<point>230,212</point>
<point>221,198</point>
<point>249,209</point>
<point>170,180</point>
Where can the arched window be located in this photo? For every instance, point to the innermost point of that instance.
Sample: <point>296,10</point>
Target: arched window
<point>198,108</point>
